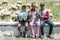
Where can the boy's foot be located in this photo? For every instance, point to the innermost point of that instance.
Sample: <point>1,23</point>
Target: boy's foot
<point>18,36</point>
<point>42,37</point>
<point>23,34</point>
<point>50,37</point>
<point>37,36</point>
<point>33,37</point>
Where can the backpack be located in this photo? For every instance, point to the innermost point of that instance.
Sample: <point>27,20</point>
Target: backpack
<point>22,16</point>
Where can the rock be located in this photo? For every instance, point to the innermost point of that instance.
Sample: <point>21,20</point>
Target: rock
<point>56,36</point>
<point>1,33</point>
<point>8,13</point>
<point>28,5</point>
<point>0,3</point>
<point>8,33</point>
<point>2,11</point>
<point>16,12</point>
<point>1,8</point>
<point>7,19</point>
<point>19,2</point>
<point>13,7</point>
<point>5,2</point>
<point>5,12</point>
<point>18,6</point>
<point>14,16</point>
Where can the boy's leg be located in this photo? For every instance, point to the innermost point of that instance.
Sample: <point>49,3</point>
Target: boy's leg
<point>37,28</point>
<point>51,27</point>
<point>42,23</point>
<point>19,25</point>
<point>31,28</point>
<point>23,28</point>
<point>26,28</point>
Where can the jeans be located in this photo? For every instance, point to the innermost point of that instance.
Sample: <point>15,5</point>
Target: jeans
<point>42,23</point>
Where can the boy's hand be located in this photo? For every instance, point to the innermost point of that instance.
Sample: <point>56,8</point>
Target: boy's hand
<point>41,16</point>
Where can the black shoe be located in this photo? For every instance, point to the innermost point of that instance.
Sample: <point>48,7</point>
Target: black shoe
<point>42,37</point>
<point>23,35</point>
<point>50,37</point>
<point>18,36</point>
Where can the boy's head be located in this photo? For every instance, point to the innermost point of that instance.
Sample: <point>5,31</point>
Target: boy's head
<point>42,4</point>
<point>33,5</point>
<point>23,7</point>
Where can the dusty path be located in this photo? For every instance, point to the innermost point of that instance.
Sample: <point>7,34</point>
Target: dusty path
<point>14,38</point>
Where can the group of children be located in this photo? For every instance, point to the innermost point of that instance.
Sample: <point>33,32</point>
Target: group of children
<point>34,18</point>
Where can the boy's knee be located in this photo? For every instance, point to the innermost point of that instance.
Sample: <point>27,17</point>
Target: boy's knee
<point>31,24</point>
<point>51,24</point>
<point>19,24</point>
<point>41,24</point>
<point>38,22</point>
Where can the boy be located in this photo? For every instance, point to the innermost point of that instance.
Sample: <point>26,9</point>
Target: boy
<point>44,18</point>
<point>22,18</point>
<point>34,20</point>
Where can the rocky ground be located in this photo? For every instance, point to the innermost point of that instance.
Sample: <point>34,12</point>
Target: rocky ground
<point>14,38</point>
<point>9,33</point>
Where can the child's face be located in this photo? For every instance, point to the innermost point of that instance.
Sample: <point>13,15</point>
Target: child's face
<point>23,8</point>
<point>42,7</point>
<point>33,5</point>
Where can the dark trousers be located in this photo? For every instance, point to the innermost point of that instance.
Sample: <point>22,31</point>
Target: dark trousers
<point>42,22</point>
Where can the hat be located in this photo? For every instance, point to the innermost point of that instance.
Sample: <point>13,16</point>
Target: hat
<point>42,3</point>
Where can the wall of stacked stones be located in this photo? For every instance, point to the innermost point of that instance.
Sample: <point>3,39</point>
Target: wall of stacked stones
<point>9,11</point>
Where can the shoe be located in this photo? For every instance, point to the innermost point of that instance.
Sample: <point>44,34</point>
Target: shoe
<point>37,37</point>
<point>24,35</point>
<point>33,37</point>
<point>18,36</point>
<point>42,37</point>
<point>50,37</point>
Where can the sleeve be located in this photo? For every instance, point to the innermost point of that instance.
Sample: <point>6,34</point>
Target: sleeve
<point>47,15</point>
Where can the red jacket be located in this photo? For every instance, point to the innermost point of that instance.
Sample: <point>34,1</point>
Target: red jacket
<point>31,10</point>
<point>47,15</point>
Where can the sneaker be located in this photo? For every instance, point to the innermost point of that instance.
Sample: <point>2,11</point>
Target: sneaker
<point>18,36</point>
<point>36,36</point>
<point>42,37</point>
<point>50,37</point>
<point>24,35</point>
<point>33,37</point>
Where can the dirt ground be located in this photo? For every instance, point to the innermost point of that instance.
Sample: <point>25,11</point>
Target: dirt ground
<point>14,38</point>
